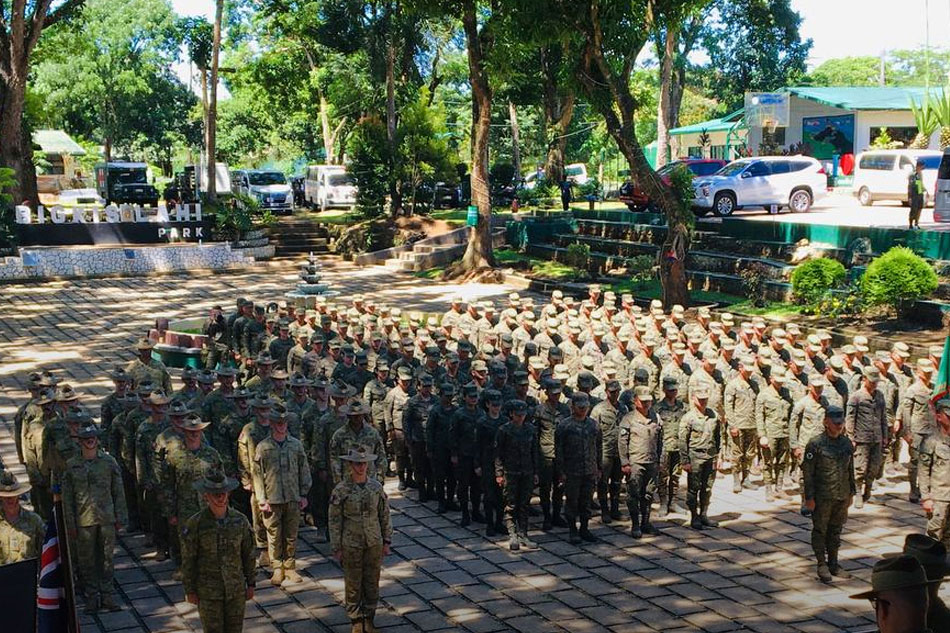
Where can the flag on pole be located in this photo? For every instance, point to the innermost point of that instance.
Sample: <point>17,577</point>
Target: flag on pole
<point>942,381</point>
<point>51,593</point>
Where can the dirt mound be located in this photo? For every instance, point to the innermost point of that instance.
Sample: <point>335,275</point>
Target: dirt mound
<point>424,224</point>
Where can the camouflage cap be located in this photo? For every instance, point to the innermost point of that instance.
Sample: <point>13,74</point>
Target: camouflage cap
<point>643,394</point>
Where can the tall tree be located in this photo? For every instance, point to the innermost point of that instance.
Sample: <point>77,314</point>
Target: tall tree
<point>753,45</point>
<point>21,24</point>
<point>212,118</point>
<point>849,71</point>
<point>558,103</point>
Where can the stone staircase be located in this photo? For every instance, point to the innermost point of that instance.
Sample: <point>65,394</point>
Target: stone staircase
<point>293,237</point>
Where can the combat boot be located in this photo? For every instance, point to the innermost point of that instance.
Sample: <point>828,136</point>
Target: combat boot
<point>585,533</point>
<point>557,520</point>
<point>477,516</point>
<point>401,487</point>
<point>92,604</point>
<point>573,538</point>
<point>466,518</point>
<point>824,574</point>
<point>500,528</point>
<point>292,577</point>
<point>264,559</point>
<point>736,482</point>
<point>441,508</point>
<point>769,492</point>
<point>490,523</point>
<point>645,526</point>
<point>664,508</point>
<point>108,603</point>
<point>546,524</point>
<point>836,569</point>
<point>615,505</point>
<point>523,537</point>
<point>635,531</point>
<point>513,543</point>
<point>357,627</point>
<point>707,522</point>
<point>369,626</point>
<point>278,578</point>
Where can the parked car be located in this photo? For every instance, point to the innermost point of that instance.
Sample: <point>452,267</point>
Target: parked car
<point>882,174</point>
<point>636,198</point>
<point>329,186</point>
<point>942,189</point>
<point>793,181</point>
<point>269,187</point>
<point>119,182</point>
<point>439,195</point>
<point>575,172</point>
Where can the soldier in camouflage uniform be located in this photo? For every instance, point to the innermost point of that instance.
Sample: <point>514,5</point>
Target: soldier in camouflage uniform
<point>251,435</point>
<point>866,425</point>
<point>464,453</point>
<point>547,417</point>
<point>94,509</point>
<point>607,414</point>
<point>438,447</point>
<point>393,408</point>
<point>670,411</point>
<point>145,368</point>
<point>360,536</point>
<point>261,381</point>
<point>641,449</point>
<point>934,474</point>
<point>181,470</point>
<point>148,476</point>
<point>488,424</point>
<point>739,407</point>
<point>415,419</point>
<point>515,469</point>
<point>828,479</point>
<point>916,419</point>
<point>112,404</point>
<point>700,438</point>
<point>218,565</point>
<point>578,449</point>
<point>326,426</point>
<point>773,409</point>
<point>28,410</point>
<point>34,430</point>
<point>21,531</point>
<point>281,477</point>
<point>357,432</point>
<point>808,414</point>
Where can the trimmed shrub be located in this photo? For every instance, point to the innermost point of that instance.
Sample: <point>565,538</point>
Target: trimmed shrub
<point>812,280</point>
<point>578,256</point>
<point>898,278</point>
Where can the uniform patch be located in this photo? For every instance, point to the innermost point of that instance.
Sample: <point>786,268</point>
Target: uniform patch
<point>809,455</point>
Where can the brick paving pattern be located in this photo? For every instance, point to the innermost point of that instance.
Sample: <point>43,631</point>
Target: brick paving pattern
<point>754,573</point>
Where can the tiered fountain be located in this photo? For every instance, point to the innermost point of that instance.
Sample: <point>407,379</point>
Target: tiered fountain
<point>309,288</point>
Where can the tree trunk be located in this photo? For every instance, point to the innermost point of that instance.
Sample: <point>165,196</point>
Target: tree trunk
<point>204,103</point>
<point>211,189</point>
<point>395,197</point>
<point>515,141</point>
<point>663,115</point>
<point>558,112</point>
<point>478,255</point>
<point>16,147</point>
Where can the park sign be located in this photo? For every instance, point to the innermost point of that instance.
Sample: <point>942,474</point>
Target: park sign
<point>111,224</point>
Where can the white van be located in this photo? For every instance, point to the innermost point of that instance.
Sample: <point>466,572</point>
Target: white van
<point>575,172</point>
<point>327,186</point>
<point>942,189</point>
<point>882,174</point>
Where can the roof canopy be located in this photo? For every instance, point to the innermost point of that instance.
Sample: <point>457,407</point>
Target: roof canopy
<point>726,123</point>
<point>863,97</point>
<point>57,142</point>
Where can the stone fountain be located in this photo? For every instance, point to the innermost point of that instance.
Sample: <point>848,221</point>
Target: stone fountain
<point>309,288</point>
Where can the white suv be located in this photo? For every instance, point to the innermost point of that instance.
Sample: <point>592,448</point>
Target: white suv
<point>796,181</point>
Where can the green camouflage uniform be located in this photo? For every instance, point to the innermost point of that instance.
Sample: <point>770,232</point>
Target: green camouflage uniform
<point>828,478</point>
<point>700,439</point>
<point>251,435</point>
<point>218,566</point>
<point>773,410</point>
<point>34,431</point>
<point>155,371</point>
<point>578,449</point>
<point>23,538</point>
<point>326,426</point>
<point>917,422</point>
<point>516,459</point>
<point>739,408</point>
<point>148,479</point>
<point>345,438</point>
<point>669,470</point>
<point>359,527</point>
<point>181,471</point>
<point>281,479</point>
<point>934,479</point>
<point>640,442</point>
<point>94,505</point>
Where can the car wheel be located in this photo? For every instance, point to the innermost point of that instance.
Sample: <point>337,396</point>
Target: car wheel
<point>800,201</point>
<point>864,197</point>
<point>724,204</point>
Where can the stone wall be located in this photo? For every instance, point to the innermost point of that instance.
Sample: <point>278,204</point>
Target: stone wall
<point>46,262</point>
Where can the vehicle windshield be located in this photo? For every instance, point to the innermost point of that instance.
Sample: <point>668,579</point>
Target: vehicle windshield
<point>267,178</point>
<point>930,162</point>
<point>339,180</point>
<point>733,169</point>
<point>131,177</point>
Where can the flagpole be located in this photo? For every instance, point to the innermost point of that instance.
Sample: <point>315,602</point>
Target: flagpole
<point>65,562</point>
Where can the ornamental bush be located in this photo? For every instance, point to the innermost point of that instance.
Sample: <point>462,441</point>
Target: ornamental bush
<point>897,279</point>
<point>812,280</point>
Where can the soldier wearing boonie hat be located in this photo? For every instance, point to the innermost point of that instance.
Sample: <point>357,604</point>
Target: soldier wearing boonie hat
<point>21,531</point>
<point>828,487</point>
<point>394,407</point>
<point>933,475</point>
<point>932,556</point>
<point>916,414</point>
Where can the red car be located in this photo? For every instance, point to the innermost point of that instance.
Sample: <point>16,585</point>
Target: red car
<point>637,200</point>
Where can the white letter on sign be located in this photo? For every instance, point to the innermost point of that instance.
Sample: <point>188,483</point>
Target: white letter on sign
<point>22,214</point>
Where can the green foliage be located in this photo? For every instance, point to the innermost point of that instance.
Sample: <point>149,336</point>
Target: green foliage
<point>898,278</point>
<point>940,104</point>
<point>754,278</point>
<point>838,304</point>
<point>812,280</point>
<point>925,116</point>
<point>681,182</point>
<point>7,235</point>
<point>591,190</point>
<point>848,71</point>
<point>538,195</point>
<point>369,156</point>
<point>578,256</point>
<point>641,269</point>
<point>884,141</point>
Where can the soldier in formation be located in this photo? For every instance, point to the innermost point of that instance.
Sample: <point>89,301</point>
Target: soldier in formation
<point>21,530</point>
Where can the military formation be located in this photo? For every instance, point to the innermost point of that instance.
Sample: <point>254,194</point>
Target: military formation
<point>592,405</point>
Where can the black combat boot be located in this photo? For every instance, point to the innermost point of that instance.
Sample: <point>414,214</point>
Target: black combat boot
<point>573,538</point>
<point>490,523</point>
<point>556,519</point>
<point>695,522</point>
<point>645,526</point>
<point>585,532</point>
<point>546,525</point>
<point>824,573</point>
<point>604,512</point>
<point>615,505</point>
<point>635,530</point>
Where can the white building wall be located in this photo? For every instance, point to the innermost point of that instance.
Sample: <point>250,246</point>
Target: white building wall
<point>867,119</point>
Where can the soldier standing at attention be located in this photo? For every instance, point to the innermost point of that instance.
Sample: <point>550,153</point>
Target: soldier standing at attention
<point>934,475</point>
<point>516,459</point>
<point>700,440</point>
<point>607,414</point>
<point>773,407</point>
<point>415,419</point>
<point>916,419</point>
<point>547,417</point>
<point>577,442</point>
<point>866,425</point>
<point>393,407</point>
<point>641,448</point>
<point>438,447</point>
<point>21,531</point>
<point>147,369</point>
<point>489,422</point>
<point>360,536</point>
<point>828,480</point>
<point>281,481</point>
<point>34,429</point>
<point>670,410</point>
<point>251,435</point>
<point>464,452</point>
<point>218,564</point>
<point>357,432</point>
<point>739,407</point>
<point>94,509</point>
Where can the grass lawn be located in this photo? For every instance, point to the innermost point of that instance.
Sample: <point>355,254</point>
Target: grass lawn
<point>772,309</point>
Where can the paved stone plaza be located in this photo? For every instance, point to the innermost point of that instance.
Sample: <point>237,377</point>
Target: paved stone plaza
<point>754,573</point>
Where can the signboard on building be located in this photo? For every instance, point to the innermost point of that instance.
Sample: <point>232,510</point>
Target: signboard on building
<point>827,136</point>
<point>112,224</point>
